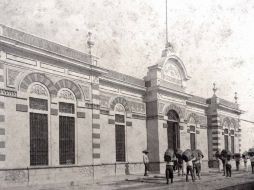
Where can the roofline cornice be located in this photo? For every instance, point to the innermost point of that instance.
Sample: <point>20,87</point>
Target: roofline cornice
<point>51,55</point>
<point>197,103</point>
<point>175,92</point>
<point>238,111</point>
<point>126,84</point>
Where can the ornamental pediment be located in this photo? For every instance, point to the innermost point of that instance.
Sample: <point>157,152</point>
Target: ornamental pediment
<point>171,73</point>
<point>173,70</point>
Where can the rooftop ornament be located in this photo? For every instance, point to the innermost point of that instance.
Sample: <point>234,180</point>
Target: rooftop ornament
<point>90,42</point>
<point>236,97</point>
<point>214,89</point>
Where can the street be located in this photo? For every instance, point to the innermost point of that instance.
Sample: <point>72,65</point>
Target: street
<point>212,180</point>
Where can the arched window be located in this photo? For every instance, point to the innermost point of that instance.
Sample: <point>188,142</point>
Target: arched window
<point>120,131</point>
<point>67,105</point>
<point>192,126</point>
<point>232,137</point>
<point>226,135</point>
<point>173,130</point>
<point>38,116</point>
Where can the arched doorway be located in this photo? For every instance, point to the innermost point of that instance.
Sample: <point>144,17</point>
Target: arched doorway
<point>173,130</point>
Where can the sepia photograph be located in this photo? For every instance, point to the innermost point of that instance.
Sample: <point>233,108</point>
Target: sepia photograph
<point>126,95</point>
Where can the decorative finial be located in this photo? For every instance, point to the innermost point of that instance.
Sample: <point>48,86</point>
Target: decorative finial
<point>169,49</point>
<point>90,42</point>
<point>236,97</point>
<point>169,46</point>
<point>214,89</point>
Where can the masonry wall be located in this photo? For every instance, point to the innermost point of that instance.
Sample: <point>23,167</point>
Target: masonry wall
<point>84,138</point>
<point>136,140</point>
<point>247,129</point>
<point>153,144</point>
<point>108,154</point>
<point>163,142</point>
<point>17,135</point>
<point>185,137</point>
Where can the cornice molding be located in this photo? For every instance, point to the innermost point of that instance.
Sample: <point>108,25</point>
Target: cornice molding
<point>197,104</point>
<point>232,110</point>
<point>126,84</point>
<point>51,55</point>
<point>174,92</point>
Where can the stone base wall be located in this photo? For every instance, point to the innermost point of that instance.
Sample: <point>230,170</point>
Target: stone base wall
<point>66,175</point>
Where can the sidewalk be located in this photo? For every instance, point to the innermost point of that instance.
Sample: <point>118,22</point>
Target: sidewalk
<point>211,180</point>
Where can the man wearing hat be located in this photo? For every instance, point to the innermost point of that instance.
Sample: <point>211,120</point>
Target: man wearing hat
<point>252,162</point>
<point>146,161</point>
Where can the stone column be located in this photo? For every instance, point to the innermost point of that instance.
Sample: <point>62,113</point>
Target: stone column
<point>96,139</point>
<point>2,116</point>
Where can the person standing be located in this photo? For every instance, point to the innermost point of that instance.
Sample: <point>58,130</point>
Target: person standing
<point>237,163</point>
<point>228,167</point>
<point>252,163</point>
<point>189,169</point>
<point>175,166</point>
<point>245,160</point>
<point>180,165</point>
<point>169,159</point>
<point>220,165</point>
<point>184,167</point>
<point>219,161</point>
<point>197,167</point>
<point>169,170</point>
<point>146,162</point>
<point>223,160</point>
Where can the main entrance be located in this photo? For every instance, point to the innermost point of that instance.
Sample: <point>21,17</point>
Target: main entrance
<point>173,130</point>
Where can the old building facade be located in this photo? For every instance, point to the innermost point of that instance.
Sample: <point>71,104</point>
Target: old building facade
<point>63,118</point>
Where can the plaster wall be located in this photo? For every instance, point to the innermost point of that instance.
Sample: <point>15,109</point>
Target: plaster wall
<point>108,154</point>
<point>136,140</point>
<point>17,135</point>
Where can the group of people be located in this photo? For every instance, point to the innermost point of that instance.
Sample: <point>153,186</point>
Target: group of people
<point>178,162</point>
<point>189,162</point>
<point>227,161</point>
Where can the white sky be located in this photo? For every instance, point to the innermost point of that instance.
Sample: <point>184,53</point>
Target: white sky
<point>214,38</point>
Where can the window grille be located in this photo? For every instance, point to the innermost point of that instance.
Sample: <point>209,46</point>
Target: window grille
<point>226,142</point>
<point>66,140</point>
<point>119,118</point>
<point>232,144</point>
<point>172,116</point>
<point>173,134</point>
<point>192,141</point>
<point>38,139</point>
<point>66,108</point>
<point>192,128</point>
<point>120,143</point>
<point>38,104</point>
<point>192,137</point>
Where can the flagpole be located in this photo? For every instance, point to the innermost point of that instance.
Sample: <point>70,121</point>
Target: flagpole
<point>166,22</point>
